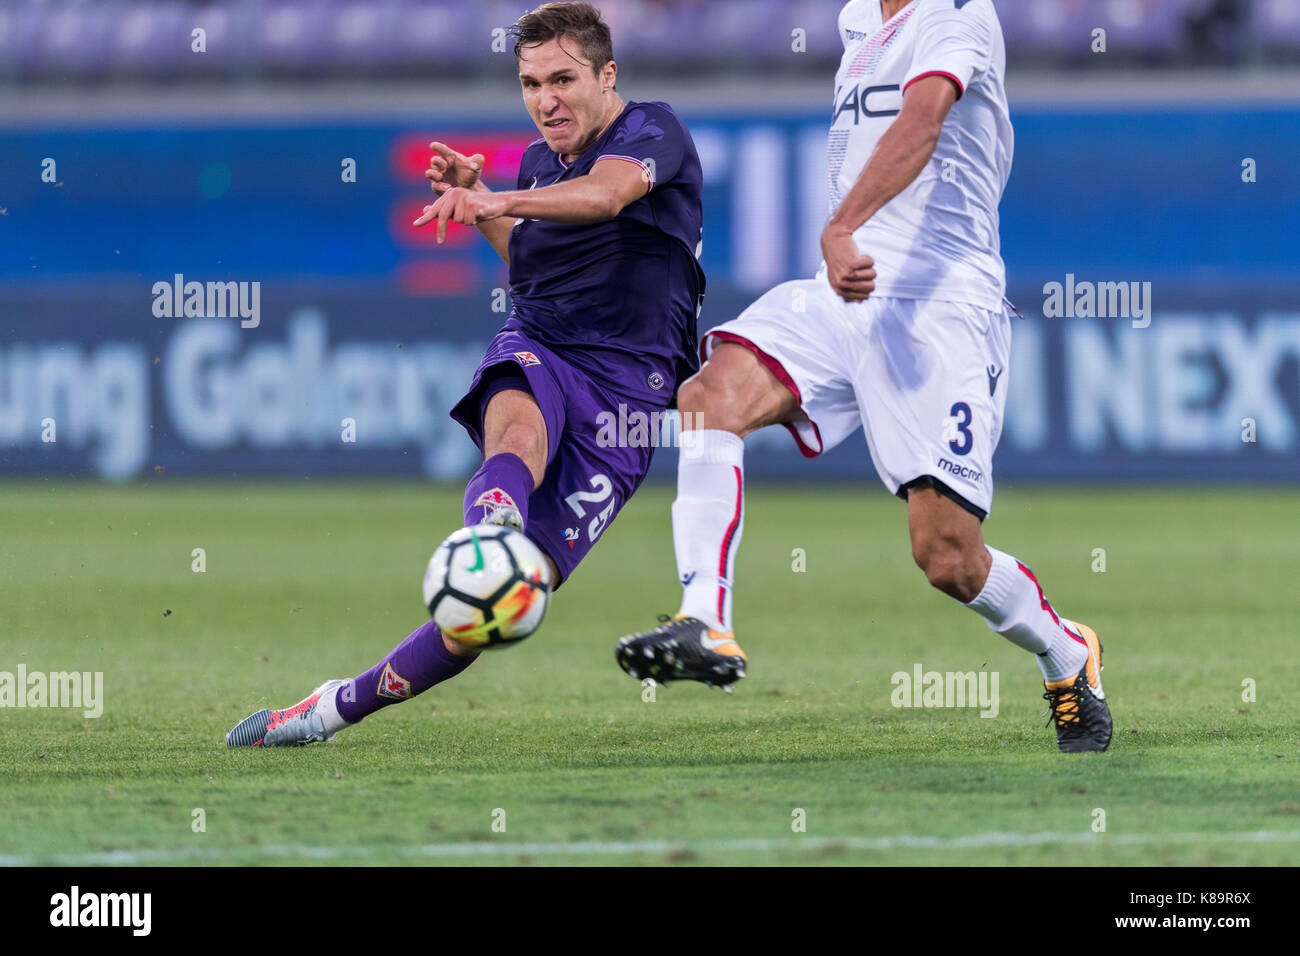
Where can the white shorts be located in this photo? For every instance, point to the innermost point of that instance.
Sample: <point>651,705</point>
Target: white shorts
<point>925,379</point>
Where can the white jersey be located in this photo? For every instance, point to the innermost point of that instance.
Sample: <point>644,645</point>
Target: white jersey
<point>938,238</point>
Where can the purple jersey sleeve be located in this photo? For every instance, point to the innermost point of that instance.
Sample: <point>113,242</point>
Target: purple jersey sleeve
<point>651,138</point>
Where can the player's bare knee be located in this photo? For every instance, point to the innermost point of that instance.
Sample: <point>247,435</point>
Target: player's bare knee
<point>525,441</point>
<point>522,439</point>
<point>692,395</point>
<point>710,402</point>
<point>457,648</point>
<point>704,394</point>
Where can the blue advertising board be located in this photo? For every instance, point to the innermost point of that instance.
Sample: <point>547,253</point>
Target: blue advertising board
<point>1184,364</point>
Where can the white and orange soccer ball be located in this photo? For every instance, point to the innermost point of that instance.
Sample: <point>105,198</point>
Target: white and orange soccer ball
<point>487,586</point>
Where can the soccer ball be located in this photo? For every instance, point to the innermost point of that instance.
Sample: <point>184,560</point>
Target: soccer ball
<point>487,586</point>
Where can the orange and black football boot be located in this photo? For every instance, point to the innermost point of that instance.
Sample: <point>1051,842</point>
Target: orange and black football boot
<point>683,648</point>
<point>1078,704</point>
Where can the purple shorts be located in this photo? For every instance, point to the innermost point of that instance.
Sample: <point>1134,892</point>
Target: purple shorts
<point>589,477</point>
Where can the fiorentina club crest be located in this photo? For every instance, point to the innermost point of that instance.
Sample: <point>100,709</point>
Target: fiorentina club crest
<point>527,358</point>
<point>392,684</point>
<point>494,499</point>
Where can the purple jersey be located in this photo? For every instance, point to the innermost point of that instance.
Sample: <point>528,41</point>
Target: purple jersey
<point>618,298</point>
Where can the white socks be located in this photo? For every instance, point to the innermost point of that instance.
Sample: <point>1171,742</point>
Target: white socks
<point>327,708</point>
<point>708,516</point>
<point>1013,605</point>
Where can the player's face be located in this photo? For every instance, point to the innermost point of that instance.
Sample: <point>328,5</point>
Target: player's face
<point>566,100</point>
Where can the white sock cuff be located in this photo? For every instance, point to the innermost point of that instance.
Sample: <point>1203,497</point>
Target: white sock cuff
<point>328,711</point>
<point>1003,577</point>
<point>711,446</point>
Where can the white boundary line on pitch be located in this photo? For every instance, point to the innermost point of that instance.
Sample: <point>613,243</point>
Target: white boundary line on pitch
<point>599,848</point>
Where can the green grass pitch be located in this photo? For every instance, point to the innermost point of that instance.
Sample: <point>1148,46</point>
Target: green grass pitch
<point>308,581</point>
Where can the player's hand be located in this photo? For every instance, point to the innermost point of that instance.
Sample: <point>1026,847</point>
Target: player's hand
<point>851,274</point>
<point>449,169</point>
<point>465,206</point>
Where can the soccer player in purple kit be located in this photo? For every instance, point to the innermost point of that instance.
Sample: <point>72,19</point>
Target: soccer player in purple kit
<point>602,236</point>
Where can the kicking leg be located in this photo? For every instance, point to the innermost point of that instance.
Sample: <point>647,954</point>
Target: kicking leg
<point>733,395</point>
<point>515,458</point>
<point>947,544</point>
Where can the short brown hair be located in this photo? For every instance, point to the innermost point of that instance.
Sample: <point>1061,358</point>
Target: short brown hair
<point>579,21</point>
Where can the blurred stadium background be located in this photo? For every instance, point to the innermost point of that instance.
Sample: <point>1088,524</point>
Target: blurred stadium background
<point>134,149</point>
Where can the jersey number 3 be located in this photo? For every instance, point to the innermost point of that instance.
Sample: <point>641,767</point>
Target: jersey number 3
<point>961,417</point>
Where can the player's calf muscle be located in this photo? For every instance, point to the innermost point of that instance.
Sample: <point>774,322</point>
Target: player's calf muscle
<point>523,439</point>
<point>952,570</point>
<point>947,545</point>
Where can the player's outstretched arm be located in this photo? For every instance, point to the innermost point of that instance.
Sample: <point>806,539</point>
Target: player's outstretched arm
<point>600,194</point>
<point>899,158</point>
<point>449,169</point>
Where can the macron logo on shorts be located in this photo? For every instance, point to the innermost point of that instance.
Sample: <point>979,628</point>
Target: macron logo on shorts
<point>527,358</point>
<point>961,471</point>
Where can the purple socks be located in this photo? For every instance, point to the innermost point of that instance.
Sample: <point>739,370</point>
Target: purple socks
<point>410,668</point>
<point>503,481</point>
<point>422,660</point>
